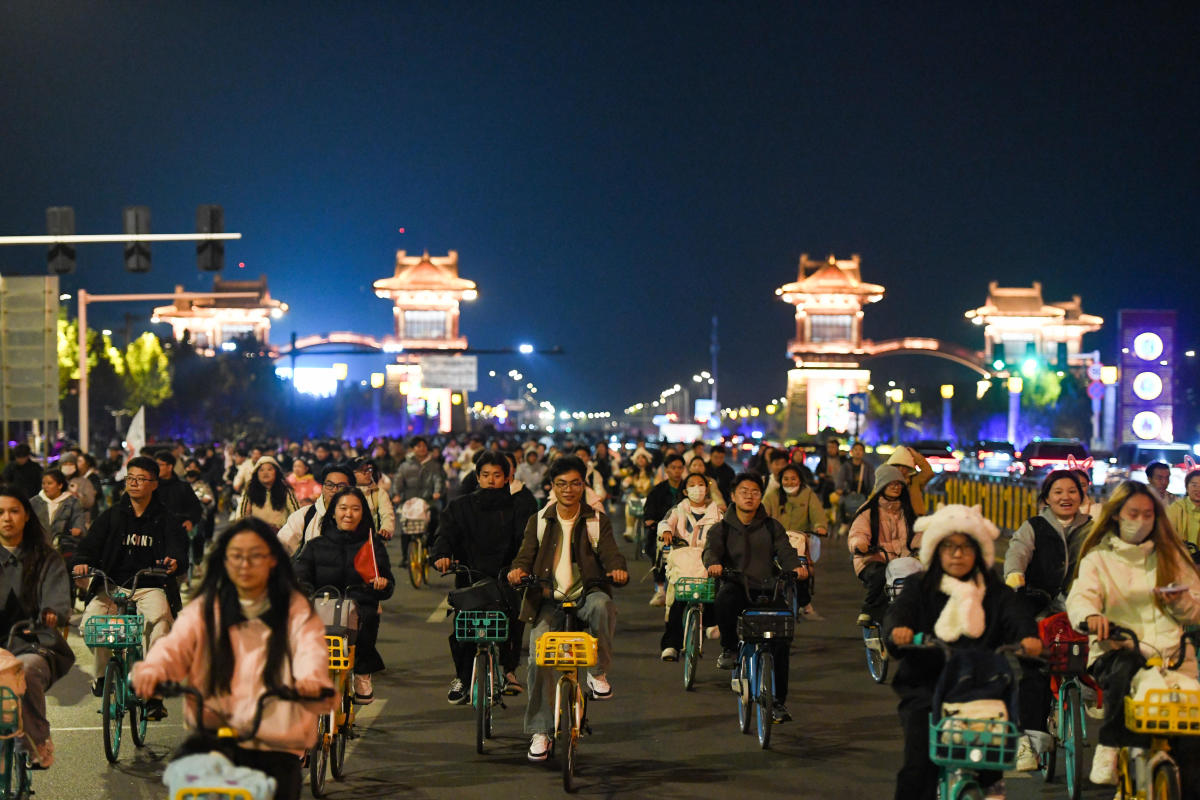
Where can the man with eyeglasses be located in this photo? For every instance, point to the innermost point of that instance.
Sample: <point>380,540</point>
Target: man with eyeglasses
<point>136,533</point>
<point>305,524</point>
<point>570,545</point>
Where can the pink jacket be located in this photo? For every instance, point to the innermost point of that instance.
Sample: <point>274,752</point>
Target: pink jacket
<point>893,536</point>
<point>291,727</point>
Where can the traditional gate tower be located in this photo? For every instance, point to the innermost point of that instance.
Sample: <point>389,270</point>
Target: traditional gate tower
<point>829,297</point>
<point>426,291</point>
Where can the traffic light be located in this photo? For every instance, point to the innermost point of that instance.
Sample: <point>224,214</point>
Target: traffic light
<point>137,254</point>
<point>60,221</point>
<point>210,253</point>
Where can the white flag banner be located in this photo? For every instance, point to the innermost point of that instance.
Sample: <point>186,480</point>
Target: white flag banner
<point>135,437</point>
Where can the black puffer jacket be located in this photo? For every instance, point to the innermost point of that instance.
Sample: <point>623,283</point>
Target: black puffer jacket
<point>328,560</point>
<point>483,530</point>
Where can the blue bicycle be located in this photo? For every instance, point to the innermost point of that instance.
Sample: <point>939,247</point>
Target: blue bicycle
<point>754,676</point>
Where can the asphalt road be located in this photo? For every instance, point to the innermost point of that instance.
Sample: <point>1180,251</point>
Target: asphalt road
<point>652,738</point>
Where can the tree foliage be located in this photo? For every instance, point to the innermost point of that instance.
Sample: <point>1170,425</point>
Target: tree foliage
<point>146,372</point>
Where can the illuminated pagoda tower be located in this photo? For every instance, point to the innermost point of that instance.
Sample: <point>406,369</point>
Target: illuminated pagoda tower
<point>426,291</point>
<point>829,297</point>
<point>1018,325</point>
<point>215,322</point>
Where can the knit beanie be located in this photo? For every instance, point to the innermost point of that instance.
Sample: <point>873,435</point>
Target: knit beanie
<point>952,519</point>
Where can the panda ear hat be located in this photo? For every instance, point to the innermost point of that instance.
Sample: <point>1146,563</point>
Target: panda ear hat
<point>951,519</point>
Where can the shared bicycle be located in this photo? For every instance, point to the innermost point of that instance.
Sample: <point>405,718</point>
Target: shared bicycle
<point>335,728</point>
<point>486,629</point>
<point>696,592</point>
<point>122,634</point>
<point>1065,652</point>
<point>897,571</point>
<point>414,526</point>
<point>16,778</point>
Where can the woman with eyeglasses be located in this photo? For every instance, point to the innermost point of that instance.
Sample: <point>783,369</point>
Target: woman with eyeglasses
<point>249,629</point>
<point>350,556</point>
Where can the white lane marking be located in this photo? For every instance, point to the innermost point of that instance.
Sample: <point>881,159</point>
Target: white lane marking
<point>439,613</point>
<point>98,728</point>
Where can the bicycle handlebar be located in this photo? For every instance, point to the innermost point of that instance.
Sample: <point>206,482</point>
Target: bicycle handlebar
<point>151,572</point>
<point>175,689</point>
<point>923,641</point>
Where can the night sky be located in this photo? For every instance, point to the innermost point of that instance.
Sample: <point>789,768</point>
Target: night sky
<point>613,174</point>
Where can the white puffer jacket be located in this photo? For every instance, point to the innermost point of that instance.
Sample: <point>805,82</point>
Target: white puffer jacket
<point>1117,579</point>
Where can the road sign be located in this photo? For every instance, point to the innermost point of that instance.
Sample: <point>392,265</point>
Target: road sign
<point>858,403</point>
<point>1095,390</point>
<point>1094,371</point>
<point>450,372</point>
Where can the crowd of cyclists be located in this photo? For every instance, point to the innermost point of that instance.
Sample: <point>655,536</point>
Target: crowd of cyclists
<point>526,525</point>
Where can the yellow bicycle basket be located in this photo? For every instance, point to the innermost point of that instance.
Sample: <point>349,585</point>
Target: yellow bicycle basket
<point>339,653</point>
<point>1165,712</point>
<point>213,793</point>
<point>566,650</point>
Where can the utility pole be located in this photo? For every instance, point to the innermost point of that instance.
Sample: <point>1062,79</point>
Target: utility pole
<point>713,349</point>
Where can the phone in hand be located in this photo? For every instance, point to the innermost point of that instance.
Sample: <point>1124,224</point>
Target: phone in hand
<point>1170,589</point>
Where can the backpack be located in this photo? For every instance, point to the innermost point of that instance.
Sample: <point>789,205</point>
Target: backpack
<point>593,529</point>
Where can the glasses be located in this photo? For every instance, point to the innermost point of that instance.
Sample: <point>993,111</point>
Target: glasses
<point>134,480</point>
<point>336,487</point>
<point>253,559</point>
<point>950,548</point>
<point>748,492</point>
<point>564,486</point>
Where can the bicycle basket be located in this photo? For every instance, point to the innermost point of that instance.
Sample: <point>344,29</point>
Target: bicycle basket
<point>414,527</point>
<point>957,742</point>
<point>1165,712</point>
<point>10,712</point>
<point>213,793</point>
<point>563,649</point>
<point>695,590</point>
<point>115,632</point>
<point>764,626</point>
<point>481,626</point>
<point>340,653</point>
<point>636,506</point>
<point>1065,650</point>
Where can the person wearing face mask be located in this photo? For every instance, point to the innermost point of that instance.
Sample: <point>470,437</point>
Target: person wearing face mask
<point>1044,550</point>
<point>685,528</point>
<point>1184,513</point>
<point>1134,572</point>
<point>882,529</point>
<point>482,531</point>
<point>794,503</point>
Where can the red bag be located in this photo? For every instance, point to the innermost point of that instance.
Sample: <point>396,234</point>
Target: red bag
<point>364,560</point>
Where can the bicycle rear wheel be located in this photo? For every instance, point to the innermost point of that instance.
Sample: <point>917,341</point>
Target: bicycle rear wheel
<point>691,644</point>
<point>112,708</point>
<point>568,735</point>
<point>744,698</point>
<point>481,698</point>
<point>337,742</point>
<point>1073,738</point>
<point>639,540</point>
<point>416,561</point>
<point>877,661</point>
<point>318,758</point>
<point>765,699</point>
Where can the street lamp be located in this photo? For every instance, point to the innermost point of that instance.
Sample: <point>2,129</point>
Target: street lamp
<point>525,349</point>
<point>1015,386</point>
<point>947,391</point>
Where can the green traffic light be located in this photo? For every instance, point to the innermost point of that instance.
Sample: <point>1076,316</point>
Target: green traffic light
<point>998,364</point>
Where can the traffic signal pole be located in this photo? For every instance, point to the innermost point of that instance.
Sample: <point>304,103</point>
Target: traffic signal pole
<point>85,298</point>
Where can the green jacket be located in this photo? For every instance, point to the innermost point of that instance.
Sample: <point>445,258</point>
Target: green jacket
<point>1184,516</point>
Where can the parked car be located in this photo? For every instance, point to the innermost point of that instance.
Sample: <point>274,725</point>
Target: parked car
<point>1131,459</point>
<point>1044,455</point>
<point>993,456</point>
<point>939,453</point>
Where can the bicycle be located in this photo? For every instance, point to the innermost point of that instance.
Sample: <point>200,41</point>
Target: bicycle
<point>872,633</point>
<point>414,524</point>
<point>224,739</point>
<point>754,676</point>
<point>335,728</point>
<point>16,780</point>
<point>696,592</point>
<point>1065,652</point>
<point>1151,773</point>
<point>636,506</point>
<point>122,634</point>
<point>486,629</point>
<point>567,651</point>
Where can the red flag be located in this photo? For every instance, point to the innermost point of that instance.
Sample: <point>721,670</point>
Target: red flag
<point>364,560</point>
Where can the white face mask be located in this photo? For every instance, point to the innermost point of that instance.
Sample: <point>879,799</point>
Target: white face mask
<point>696,493</point>
<point>1135,531</point>
<point>792,489</point>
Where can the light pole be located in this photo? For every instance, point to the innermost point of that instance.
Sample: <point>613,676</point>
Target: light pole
<point>1015,385</point>
<point>947,396</point>
<point>895,396</point>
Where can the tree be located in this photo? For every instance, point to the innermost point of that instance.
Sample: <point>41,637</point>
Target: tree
<point>146,372</point>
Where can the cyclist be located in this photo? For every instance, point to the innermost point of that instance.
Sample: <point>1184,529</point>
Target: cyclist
<point>1045,549</point>
<point>960,601</point>
<point>34,580</point>
<point>532,472</point>
<point>575,564</point>
<point>250,629</point>
<point>268,495</point>
<point>305,524</point>
<point>885,522</point>
<point>482,531</point>
<point>303,484</point>
<point>687,522</point>
<point>1134,572</point>
<point>659,502</point>
<point>749,541</point>
<point>138,532</point>
<point>332,559</point>
<point>58,511</point>
<point>698,466</point>
<point>1184,513</point>
<point>379,504</point>
<point>795,504</point>
<point>917,472</point>
<point>638,481</point>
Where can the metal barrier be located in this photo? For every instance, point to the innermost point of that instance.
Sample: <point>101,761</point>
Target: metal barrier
<point>1006,502</point>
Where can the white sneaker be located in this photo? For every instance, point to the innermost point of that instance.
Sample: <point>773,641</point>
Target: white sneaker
<point>364,691</point>
<point>600,687</point>
<point>810,613</point>
<point>712,632</point>
<point>1104,765</point>
<point>1027,760</point>
<point>539,747</point>
<point>659,598</point>
<point>670,654</point>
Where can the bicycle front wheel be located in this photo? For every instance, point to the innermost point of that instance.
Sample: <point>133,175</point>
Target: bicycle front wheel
<point>416,562</point>
<point>337,742</point>
<point>568,734</point>
<point>691,644</point>
<point>112,708</point>
<point>318,758</point>
<point>1073,738</point>
<point>481,699</point>
<point>765,699</point>
<point>1166,781</point>
<point>137,720</point>
<point>877,662</point>
<point>742,684</point>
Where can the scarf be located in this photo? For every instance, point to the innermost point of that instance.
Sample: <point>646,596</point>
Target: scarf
<point>963,614</point>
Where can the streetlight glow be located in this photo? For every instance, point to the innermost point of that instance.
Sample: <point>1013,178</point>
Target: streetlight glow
<point>525,349</point>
